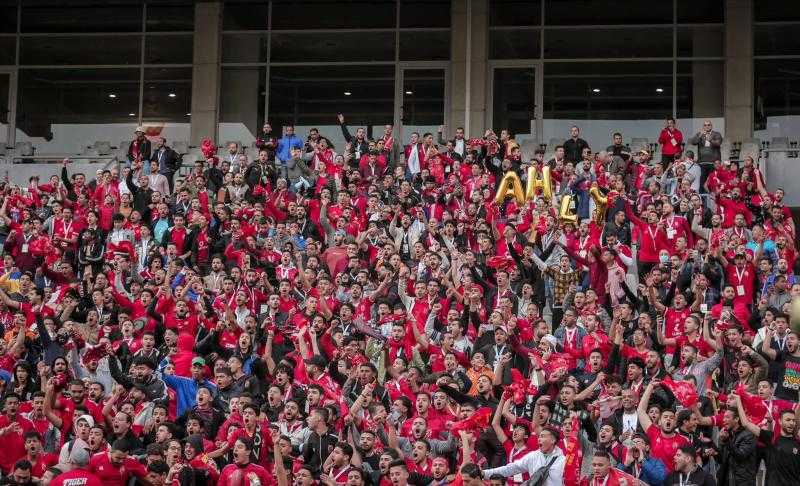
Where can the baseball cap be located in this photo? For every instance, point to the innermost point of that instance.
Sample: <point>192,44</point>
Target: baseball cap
<point>198,361</point>
<point>139,129</point>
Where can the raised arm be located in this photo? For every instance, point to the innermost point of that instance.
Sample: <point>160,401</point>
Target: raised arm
<point>641,410</point>
<point>766,347</point>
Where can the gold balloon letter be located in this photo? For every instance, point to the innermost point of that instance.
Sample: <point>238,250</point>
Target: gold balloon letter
<point>510,185</point>
<point>567,212</point>
<point>600,204</point>
<point>535,183</point>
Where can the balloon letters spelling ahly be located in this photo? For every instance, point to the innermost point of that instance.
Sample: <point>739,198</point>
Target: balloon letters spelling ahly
<point>511,185</point>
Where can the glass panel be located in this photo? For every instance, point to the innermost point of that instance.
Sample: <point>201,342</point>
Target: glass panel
<point>777,97</point>
<point>514,12</point>
<point>312,96</point>
<point>330,14</point>
<point>633,98</point>
<point>168,49</point>
<point>615,43</point>
<point>515,44</point>
<point>621,12</point>
<point>780,10</point>
<point>81,50</point>
<point>167,94</point>
<point>245,16</point>
<point>772,40</point>
<point>700,94</point>
<point>423,101</point>
<point>244,48</point>
<point>705,41</point>
<point>241,112</point>
<point>702,11</point>
<point>64,110</point>
<point>8,50</point>
<point>63,16</point>
<point>425,13</point>
<point>362,46</point>
<point>5,109</point>
<point>513,99</point>
<point>8,16</point>
<point>170,17</point>
<point>425,46</point>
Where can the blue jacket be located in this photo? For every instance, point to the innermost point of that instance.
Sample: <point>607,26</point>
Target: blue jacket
<point>186,390</point>
<point>654,472</point>
<point>285,145</point>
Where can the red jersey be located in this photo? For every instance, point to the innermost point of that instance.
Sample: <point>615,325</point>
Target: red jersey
<point>234,475</point>
<point>264,450</point>
<point>664,448</point>
<point>42,463</point>
<point>112,475</point>
<point>742,281</point>
<point>13,443</point>
<point>76,477</point>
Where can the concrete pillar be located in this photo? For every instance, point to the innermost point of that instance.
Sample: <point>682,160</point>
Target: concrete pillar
<point>707,76</point>
<point>241,99</point>
<point>738,69</point>
<point>205,74</point>
<point>469,54</point>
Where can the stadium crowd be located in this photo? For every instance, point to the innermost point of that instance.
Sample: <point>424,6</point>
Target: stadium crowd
<point>377,316</point>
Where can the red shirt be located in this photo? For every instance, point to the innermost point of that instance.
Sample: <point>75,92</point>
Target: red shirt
<point>44,461</point>
<point>233,475</point>
<point>13,443</point>
<point>742,281</point>
<point>76,477</point>
<point>664,448</point>
<point>265,451</point>
<point>112,475</point>
<point>675,321</point>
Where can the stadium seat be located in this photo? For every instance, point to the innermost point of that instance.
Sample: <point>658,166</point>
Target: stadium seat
<point>238,144</point>
<point>252,153</point>
<point>638,144</point>
<point>181,147</point>
<point>553,143</point>
<point>725,150</point>
<point>102,147</point>
<point>528,148</point>
<point>751,148</point>
<point>23,148</point>
<point>779,143</point>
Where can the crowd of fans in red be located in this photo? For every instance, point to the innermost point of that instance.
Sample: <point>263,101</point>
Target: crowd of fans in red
<point>377,317</point>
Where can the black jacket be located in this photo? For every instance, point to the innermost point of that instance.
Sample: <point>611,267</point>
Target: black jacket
<point>360,147</point>
<point>145,149</point>
<point>697,477</point>
<point>169,161</point>
<point>739,463</point>
<point>142,196</point>
<point>317,448</point>
<point>573,149</point>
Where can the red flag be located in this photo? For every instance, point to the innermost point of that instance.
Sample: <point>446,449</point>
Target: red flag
<point>475,423</point>
<point>684,392</point>
<point>558,361</point>
<point>501,262</point>
<point>753,406</point>
<point>520,388</point>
